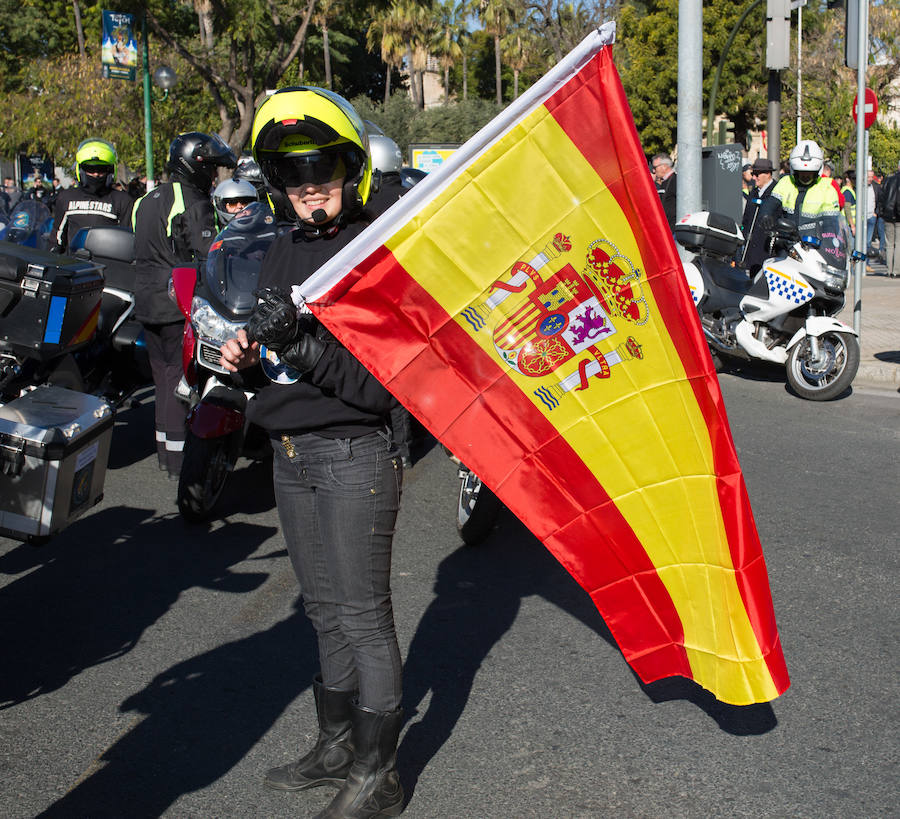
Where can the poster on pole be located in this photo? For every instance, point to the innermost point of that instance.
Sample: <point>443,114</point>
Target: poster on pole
<point>119,48</point>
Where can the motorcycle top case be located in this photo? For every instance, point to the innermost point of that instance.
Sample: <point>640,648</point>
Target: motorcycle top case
<point>54,446</point>
<point>49,304</point>
<point>712,232</point>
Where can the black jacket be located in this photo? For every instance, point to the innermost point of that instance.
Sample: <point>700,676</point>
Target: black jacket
<point>339,398</point>
<point>667,194</point>
<point>174,225</point>
<point>888,206</point>
<point>75,209</point>
<point>754,251</point>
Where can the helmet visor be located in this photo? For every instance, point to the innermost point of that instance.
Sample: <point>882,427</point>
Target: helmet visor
<point>313,168</point>
<point>96,169</point>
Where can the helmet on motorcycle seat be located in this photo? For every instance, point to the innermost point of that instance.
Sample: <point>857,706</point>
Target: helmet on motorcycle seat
<point>195,157</point>
<point>806,162</point>
<point>248,170</point>
<point>300,134</point>
<point>231,197</point>
<point>95,165</point>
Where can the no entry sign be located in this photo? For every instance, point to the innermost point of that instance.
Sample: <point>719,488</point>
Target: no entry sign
<point>870,108</point>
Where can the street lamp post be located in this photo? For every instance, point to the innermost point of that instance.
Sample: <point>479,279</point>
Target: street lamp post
<point>165,78</point>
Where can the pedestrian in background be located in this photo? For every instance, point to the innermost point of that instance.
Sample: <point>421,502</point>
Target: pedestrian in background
<point>873,192</point>
<point>11,193</point>
<point>849,191</point>
<point>747,182</point>
<point>665,178</point>
<point>889,211</point>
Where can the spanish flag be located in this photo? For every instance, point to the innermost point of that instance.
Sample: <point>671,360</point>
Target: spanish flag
<point>527,304</point>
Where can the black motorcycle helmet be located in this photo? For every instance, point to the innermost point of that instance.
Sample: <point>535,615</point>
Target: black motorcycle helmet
<point>195,157</point>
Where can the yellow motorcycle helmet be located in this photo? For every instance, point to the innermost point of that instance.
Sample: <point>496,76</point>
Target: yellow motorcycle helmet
<point>95,153</point>
<point>300,133</point>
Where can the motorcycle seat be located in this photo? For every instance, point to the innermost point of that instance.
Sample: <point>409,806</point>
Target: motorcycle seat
<point>735,279</point>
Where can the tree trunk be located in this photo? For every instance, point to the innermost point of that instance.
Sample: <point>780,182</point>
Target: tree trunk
<point>79,31</point>
<point>387,85</point>
<point>204,11</point>
<point>497,73</point>
<point>465,77</point>
<point>446,85</point>
<point>413,88</point>
<point>516,84</point>
<point>327,54</point>
<point>421,81</point>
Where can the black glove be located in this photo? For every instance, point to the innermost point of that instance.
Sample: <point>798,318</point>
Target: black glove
<point>304,353</point>
<point>274,320</point>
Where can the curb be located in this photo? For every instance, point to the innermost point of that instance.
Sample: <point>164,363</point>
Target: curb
<point>876,373</point>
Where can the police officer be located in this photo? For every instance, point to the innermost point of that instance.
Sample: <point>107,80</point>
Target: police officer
<point>803,196</point>
<point>174,225</point>
<point>93,201</point>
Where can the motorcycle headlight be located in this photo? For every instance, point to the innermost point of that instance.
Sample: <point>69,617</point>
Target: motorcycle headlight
<point>210,325</point>
<point>835,279</point>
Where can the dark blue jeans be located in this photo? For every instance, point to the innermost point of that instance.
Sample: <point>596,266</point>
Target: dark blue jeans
<point>338,501</point>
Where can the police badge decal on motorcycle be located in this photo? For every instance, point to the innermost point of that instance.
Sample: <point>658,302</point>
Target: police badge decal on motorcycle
<point>565,316</point>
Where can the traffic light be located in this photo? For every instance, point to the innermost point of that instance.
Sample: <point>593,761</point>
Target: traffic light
<point>726,132</point>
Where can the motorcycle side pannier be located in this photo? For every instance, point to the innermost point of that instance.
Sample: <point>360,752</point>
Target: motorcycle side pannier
<point>49,304</point>
<point>711,232</point>
<point>54,446</point>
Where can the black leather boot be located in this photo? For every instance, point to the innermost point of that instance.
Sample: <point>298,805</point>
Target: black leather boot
<point>372,788</point>
<point>332,755</point>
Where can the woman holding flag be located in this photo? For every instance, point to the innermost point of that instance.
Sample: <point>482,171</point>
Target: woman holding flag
<point>337,471</point>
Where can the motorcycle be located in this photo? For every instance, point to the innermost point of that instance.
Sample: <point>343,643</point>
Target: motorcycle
<point>217,299</point>
<point>29,224</point>
<point>785,314</point>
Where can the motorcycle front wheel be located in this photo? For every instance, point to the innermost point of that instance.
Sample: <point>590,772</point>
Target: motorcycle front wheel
<point>477,509</point>
<point>204,470</point>
<point>828,376</point>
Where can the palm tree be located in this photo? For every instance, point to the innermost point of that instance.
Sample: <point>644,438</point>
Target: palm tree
<point>520,47</point>
<point>495,17</point>
<point>327,11</point>
<point>386,32</point>
<point>445,47</point>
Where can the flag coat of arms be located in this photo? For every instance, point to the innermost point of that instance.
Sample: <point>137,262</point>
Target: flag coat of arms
<point>526,302</point>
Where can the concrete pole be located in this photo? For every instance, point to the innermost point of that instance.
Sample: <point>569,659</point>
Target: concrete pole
<point>690,106</point>
<point>773,125</point>
<point>862,152</point>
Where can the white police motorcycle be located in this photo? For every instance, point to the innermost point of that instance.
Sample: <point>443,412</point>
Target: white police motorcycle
<point>785,314</point>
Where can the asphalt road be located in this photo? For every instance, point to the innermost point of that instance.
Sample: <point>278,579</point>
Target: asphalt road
<point>154,669</point>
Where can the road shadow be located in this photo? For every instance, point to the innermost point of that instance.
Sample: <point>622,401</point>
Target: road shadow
<point>479,593</point>
<point>133,436</point>
<point>200,718</point>
<point>88,596</point>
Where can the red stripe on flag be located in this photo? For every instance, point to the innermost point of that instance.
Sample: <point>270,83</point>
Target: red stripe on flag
<point>594,113</point>
<point>463,396</point>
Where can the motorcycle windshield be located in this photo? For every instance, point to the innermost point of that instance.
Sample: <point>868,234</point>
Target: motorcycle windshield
<point>28,221</point>
<point>833,234</point>
<point>235,258</point>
